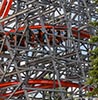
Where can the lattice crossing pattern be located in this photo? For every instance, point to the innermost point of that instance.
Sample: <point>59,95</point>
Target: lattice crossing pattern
<point>44,49</point>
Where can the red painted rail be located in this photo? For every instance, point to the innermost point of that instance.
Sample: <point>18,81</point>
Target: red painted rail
<point>20,92</point>
<point>43,84</point>
<point>67,84</point>
<point>5,7</point>
<point>83,34</point>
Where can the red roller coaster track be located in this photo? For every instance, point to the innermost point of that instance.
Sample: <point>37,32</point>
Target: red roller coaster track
<point>5,7</point>
<point>45,84</point>
<point>83,34</point>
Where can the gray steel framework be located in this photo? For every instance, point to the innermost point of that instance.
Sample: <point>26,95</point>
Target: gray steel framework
<point>66,61</point>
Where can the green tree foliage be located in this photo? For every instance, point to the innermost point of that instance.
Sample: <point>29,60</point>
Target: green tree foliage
<point>93,73</point>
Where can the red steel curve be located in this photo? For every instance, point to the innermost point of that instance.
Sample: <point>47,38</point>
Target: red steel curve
<point>5,7</point>
<point>83,33</point>
<point>44,84</point>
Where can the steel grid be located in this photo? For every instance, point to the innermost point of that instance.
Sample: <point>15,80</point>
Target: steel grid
<point>45,42</point>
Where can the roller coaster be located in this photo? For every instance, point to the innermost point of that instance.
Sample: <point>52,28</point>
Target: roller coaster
<point>44,49</point>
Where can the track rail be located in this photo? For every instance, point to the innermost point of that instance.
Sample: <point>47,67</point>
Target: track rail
<point>5,7</point>
<point>44,84</point>
<point>83,34</point>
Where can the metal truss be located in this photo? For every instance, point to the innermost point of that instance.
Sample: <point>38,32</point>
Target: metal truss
<point>44,49</point>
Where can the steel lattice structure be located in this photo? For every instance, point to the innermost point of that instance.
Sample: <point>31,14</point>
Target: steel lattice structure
<point>44,49</point>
